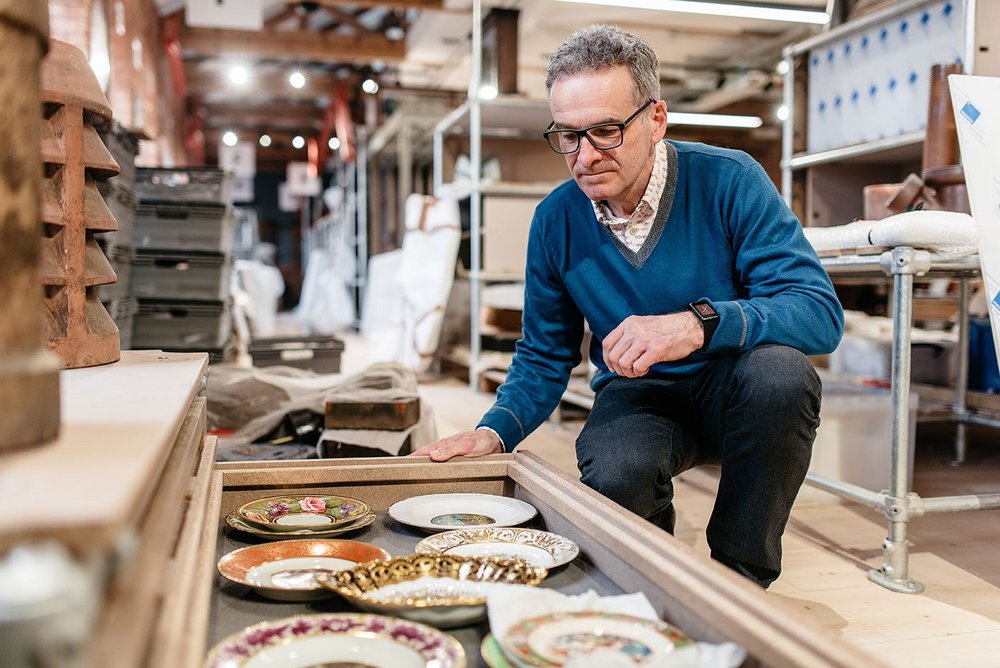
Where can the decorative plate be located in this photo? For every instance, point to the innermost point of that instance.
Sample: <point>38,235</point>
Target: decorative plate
<point>442,590</point>
<point>492,653</point>
<point>236,522</point>
<point>287,571</point>
<point>551,640</point>
<point>538,548</point>
<point>297,513</point>
<point>440,512</point>
<point>344,639</point>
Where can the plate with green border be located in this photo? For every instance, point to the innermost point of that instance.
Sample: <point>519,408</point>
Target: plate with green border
<point>305,512</point>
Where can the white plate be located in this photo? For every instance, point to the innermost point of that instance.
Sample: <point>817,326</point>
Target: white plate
<point>441,512</point>
<point>538,548</point>
<point>332,639</point>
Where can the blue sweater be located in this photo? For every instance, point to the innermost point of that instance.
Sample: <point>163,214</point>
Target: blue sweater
<point>722,233</point>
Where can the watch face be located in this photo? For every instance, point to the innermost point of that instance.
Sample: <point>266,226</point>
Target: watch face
<point>705,310</point>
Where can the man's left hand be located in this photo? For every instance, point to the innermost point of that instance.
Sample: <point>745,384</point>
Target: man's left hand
<point>641,341</point>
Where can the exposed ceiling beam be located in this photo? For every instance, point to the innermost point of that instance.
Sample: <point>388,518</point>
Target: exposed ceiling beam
<point>264,83</point>
<point>350,19</point>
<point>286,13</point>
<point>293,45</point>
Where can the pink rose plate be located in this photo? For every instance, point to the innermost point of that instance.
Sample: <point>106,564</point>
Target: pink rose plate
<point>297,513</point>
<point>338,639</point>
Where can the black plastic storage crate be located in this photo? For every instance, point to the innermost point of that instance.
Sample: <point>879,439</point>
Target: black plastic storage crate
<point>182,325</point>
<point>124,146</point>
<point>202,227</point>
<point>205,185</point>
<point>123,312</point>
<point>171,274</point>
<point>121,258</point>
<point>320,354</point>
<point>122,202</point>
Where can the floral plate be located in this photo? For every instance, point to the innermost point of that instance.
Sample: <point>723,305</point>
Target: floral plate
<point>238,523</point>
<point>551,640</point>
<point>538,548</point>
<point>286,571</point>
<point>338,639</point>
<point>442,590</point>
<point>441,512</point>
<point>492,653</point>
<point>297,513</point>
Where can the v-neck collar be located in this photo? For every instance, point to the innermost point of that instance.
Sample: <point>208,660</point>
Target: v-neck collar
<point>638,258</point>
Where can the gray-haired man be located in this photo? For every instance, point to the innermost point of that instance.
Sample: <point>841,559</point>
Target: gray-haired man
<point>704,299</point>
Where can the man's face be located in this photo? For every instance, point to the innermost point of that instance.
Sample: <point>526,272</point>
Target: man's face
<point>586,99</point>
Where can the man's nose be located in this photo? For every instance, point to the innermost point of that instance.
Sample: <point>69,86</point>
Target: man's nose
<point>588,155</point>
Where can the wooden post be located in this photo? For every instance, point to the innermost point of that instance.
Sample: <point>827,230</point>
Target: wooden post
<point>29,374</point>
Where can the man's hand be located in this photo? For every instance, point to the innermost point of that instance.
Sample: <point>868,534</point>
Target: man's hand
<point>468,443</point>
<point>641,341</point>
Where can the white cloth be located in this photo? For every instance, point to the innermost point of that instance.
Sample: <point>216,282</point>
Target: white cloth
<point>506,607</point>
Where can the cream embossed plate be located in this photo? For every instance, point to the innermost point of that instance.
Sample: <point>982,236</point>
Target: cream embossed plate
<point>341,639</point>
<point>538,548</point>
<point>440,512</point>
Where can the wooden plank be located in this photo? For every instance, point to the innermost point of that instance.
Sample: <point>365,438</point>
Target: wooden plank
<point>179,587</point>
<point>134,597</point>
<point>119,423</point>
<point>393,415</point>
<point>204,579</point>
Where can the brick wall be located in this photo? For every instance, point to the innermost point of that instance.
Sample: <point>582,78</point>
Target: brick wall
<point>141,94</point>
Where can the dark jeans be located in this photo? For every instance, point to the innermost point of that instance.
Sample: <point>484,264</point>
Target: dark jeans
<point>755,414</point>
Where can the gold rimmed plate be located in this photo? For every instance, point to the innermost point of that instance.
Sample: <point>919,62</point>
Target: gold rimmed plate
<point>236,522</point>
<point>293,512</point>
<point>441,590</point>
<point>287,571</point>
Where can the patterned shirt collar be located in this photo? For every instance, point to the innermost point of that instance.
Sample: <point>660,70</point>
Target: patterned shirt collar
<point>642,218</point>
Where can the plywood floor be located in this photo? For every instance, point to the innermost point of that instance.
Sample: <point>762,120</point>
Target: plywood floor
<point>829,548</point>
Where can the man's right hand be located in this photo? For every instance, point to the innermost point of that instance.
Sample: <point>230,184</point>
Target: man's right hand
<point>468,443</point>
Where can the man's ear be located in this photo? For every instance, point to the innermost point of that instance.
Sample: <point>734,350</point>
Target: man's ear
<point>659,120</point>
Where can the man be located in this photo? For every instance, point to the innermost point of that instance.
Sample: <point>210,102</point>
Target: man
<point>703,297</point>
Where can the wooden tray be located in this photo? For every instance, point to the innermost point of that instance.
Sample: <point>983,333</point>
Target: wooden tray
<point>619,553</point>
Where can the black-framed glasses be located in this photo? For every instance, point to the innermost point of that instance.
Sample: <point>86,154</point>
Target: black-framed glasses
<point>603,136</point>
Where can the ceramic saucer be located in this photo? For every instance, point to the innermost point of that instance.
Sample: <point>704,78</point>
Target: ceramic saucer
<point>441,512</point>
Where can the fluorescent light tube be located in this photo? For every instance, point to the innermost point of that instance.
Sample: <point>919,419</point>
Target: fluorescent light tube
<point>747,11</point>
<point>714,120</point>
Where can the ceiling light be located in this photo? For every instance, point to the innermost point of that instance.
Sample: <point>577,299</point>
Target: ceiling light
<point>488,92</point>
<point>781,68</point>
<point>394,33</point>
<point>782,112</point>
<point>238,75</point>
<point>714,120</point>
<point>297,79</point>
<point>369,86</point>
<point>298,141</point>
<point>744,11</point>
<point>265,140</point>
<point>230,138</point>
<point>334,143</point>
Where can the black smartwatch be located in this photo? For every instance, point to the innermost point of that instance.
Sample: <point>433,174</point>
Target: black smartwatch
<point>708,317</point>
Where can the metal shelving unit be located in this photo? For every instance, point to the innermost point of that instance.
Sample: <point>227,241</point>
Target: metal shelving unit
<point>503,117</point>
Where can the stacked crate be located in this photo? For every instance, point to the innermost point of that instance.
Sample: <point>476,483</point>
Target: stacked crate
<point>119,246</point>
<point>180,274</point>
